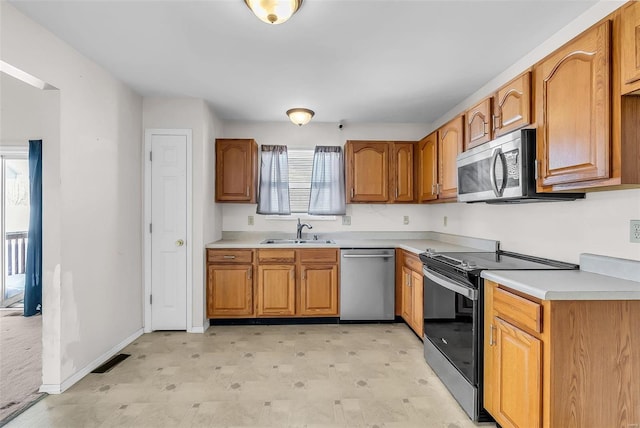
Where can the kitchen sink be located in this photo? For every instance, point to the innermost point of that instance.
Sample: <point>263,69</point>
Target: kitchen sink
<point>298,241</point>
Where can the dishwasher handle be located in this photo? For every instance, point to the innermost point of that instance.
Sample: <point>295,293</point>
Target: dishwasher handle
<point>368,256</point>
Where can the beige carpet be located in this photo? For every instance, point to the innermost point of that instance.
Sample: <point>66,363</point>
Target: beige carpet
<point>20,360</point>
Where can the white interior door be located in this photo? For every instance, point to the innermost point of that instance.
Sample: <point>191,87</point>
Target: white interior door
<point>169,232</point>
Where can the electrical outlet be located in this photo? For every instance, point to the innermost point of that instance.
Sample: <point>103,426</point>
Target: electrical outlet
<point>635,231</point>
<point>250,220</point>
<point>444,221</point>
<point>346,220</point>
<point>405,220</point>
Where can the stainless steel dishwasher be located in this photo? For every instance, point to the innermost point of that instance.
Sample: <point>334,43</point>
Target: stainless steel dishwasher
<point>367,284</point>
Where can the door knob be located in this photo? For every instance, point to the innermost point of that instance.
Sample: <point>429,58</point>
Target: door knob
<point>179,242</point>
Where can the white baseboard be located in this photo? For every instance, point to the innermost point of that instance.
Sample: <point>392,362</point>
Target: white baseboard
<point>200,329</point>
<point>71,380</point>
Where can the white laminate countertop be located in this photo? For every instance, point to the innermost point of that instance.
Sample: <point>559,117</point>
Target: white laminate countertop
<point>416,246</point>
<point>415,242</point>
<point>566,284</point>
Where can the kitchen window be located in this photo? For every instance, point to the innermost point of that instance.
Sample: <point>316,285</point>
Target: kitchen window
<point>300,172</point>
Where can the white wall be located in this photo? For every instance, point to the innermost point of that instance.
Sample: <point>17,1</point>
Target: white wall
<point>21,112</point>
<point>364,217</point>
<point>92,177</point>
<point>558,230</point>
<point>194,114</point>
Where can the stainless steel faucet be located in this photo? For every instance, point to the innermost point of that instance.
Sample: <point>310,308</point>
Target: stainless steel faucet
<point>300,227</point>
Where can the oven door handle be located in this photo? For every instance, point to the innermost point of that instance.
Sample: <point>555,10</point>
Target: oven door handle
<point>467,292</point>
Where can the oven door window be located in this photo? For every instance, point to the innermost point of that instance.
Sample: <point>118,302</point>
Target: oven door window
<point>448,324</point>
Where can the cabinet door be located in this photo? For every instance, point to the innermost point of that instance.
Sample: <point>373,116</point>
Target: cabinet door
<point>407,296</point>
<point>630,47</point>
<point>450,139</point>
<point>236,170</point>
<point>477,122</point>
<point>517,378</point>
<point>428,168</point>
<point>229,290</point>
<point>276,290</point>
<point>573,101</point>
<point>319,290</point>
<point>402,183</point>
<point>512,105</point>
<point>367,171</point>
<point>417,293</point>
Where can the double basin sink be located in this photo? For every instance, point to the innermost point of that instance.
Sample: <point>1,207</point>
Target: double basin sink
<point>298,241</point>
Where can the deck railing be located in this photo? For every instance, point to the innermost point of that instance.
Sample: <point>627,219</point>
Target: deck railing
<point>16,252</point>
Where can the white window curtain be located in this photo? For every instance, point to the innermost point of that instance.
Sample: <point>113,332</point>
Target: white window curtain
<point>327,182</point>
<point>273,196</point>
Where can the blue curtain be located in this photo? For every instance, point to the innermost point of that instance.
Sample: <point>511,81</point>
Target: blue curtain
<point>33,269</point>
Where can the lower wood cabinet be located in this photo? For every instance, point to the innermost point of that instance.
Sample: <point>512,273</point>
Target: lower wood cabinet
<point>560,363</point>
<point>306,286</point>
<point>318,290</point>
<point>276,290</point>
<point>411,290</point>
<point>272,282</point>
<point>229,283</point>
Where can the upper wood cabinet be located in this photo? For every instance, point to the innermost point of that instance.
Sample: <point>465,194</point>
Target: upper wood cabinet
<point>236,170</point>
<point>402,176</point>
<point>574,110</point>
<point>512,105</point>
<point>478,126</point>
<point>379,171</point>
<point>367,164</point>
<point>427,168</point>
<point>450,143</point>
<point>630,47</point>
<point>509,109</point>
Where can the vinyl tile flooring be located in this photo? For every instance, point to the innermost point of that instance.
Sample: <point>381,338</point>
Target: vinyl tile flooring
<point>353,375</point>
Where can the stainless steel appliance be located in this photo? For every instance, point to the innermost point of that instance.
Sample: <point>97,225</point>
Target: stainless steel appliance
<point>503,171</point>
<point>367,288</point>
<point>453,317</point>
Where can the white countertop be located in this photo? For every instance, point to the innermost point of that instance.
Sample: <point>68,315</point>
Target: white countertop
<point>437,241</point>
<point>566,284</point>
<point>416,246</point>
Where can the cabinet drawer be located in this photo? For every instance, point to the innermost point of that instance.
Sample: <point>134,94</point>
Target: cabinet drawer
<point>229,256</point>
<point>319,255</point>
<point>277,256</point>
<point>518,310</point>
<point>412,261</point>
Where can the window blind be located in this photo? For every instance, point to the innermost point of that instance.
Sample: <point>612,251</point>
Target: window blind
<point>300,167</point>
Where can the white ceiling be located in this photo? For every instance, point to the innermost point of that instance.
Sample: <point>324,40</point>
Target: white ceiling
<point>353,60</point>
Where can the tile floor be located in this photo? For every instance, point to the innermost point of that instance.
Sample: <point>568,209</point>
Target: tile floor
<point>354,375</point>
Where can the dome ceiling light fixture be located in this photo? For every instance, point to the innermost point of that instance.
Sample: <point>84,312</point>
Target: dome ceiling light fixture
<point>300,116</point>
<point>274,11</point>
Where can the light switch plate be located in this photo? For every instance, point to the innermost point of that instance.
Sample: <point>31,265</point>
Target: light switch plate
<point>635,231</point>
<point>405,219</point>
<point>250,220</point>
<point>346,220</point>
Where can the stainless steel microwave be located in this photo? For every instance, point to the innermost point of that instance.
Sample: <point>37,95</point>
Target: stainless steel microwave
<point>503,171</point>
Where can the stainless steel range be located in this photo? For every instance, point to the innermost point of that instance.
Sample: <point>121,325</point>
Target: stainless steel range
<point>453,317</point>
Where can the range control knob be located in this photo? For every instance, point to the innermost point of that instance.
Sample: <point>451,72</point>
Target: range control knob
<point>472,264</point>
<point>430,251</point>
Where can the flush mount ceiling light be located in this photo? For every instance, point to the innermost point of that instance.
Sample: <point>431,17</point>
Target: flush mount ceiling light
<point>300,116</point>
<point>274,11</point>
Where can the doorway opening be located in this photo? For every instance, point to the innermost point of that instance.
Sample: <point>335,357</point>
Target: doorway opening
<point>14,225</point>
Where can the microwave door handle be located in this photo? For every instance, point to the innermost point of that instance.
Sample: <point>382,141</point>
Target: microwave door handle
<point>503,159</point>
<point>492,172</point>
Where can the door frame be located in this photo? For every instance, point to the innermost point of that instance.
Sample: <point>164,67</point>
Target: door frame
<point>148,133</point>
